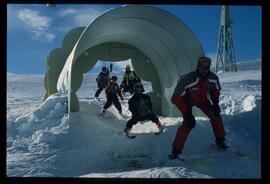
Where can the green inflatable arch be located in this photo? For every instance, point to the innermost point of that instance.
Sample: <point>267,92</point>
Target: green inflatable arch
<point>161,48</point>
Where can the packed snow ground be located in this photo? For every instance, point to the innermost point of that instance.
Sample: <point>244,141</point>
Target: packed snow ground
<point>42,141</point>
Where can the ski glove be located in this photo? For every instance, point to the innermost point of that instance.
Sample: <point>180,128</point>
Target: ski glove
<point>188,116</point>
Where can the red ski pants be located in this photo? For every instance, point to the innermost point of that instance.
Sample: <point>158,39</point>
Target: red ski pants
<point>183,130</point>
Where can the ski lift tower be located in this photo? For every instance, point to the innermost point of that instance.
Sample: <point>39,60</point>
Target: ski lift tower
<point>225,50</point>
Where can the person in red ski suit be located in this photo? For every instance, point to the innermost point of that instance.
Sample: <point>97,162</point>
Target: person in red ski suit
<point>200,88</point>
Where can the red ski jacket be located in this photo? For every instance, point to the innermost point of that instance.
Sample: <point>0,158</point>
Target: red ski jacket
<point>192,89</point>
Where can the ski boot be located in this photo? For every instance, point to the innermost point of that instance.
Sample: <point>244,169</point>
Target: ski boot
<point>97,99</point>
<point>220,143</point>
<point>160,128</point>
<point>174,154</point>
<point>102,112</point>
<point>128,134</point>
<point>120,112</point>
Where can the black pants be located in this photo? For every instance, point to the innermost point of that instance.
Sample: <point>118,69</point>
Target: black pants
<point>98,91</point>
<point>134,120</point>
<point>128,88</point>
<point>113,99</point>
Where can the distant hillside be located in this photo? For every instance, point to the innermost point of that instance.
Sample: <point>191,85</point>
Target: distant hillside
<point>253,64</point>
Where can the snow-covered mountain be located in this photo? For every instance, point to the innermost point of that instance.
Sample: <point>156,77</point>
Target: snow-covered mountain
<point>43,141</point>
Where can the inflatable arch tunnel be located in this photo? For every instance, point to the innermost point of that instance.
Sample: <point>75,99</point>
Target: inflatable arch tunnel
<point>161,48</point>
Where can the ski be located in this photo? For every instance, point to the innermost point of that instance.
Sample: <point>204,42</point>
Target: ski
<point>239,153</point>
<point>160,131</point>
<point>103,116</point>
<point>233,150</point>
<point>178,158</point>
<point>195,162</point>
<point>183,159</point>
<point>201,162</point>
<point>123,116</point>
<point>131,137</point>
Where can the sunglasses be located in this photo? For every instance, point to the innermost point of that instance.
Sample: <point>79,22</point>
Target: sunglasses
<point>204,67</point>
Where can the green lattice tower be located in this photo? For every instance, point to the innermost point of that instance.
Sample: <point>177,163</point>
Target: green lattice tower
<point>225,49</point>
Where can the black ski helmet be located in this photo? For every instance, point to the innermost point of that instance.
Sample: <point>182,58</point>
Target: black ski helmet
<point>114,78</point>
<point>104,69</point>
<point>138,85</point>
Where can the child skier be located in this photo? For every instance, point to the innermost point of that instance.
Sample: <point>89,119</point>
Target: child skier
<point>140,106</point>
<point>112,90</point>
<point>103,79</point>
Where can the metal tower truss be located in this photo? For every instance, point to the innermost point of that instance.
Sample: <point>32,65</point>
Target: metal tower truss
<point>225,49</point>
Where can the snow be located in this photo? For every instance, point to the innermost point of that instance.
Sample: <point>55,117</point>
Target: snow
<point>43,141</point>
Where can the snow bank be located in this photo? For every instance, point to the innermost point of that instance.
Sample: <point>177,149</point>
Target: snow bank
<point>47,116</point>
<point>248,103</point>
<point>45,142</point>
<point>237,104</point>
<point>239,92</point>
<point>86,143</point>
<point>157,172</point>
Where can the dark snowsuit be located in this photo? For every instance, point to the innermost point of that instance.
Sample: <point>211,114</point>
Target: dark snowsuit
<point>140,106</point>
<point>112,90</point>
<point>194,90</point>
<point>129,79</point>
<point>102,82</point>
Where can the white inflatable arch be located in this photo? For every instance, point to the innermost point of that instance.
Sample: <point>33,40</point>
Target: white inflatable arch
<point>161,48</point>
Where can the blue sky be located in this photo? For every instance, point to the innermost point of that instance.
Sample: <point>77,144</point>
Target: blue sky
<point>33,30</point>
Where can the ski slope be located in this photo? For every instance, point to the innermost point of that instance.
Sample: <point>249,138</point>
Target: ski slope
<point>43,141</point>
